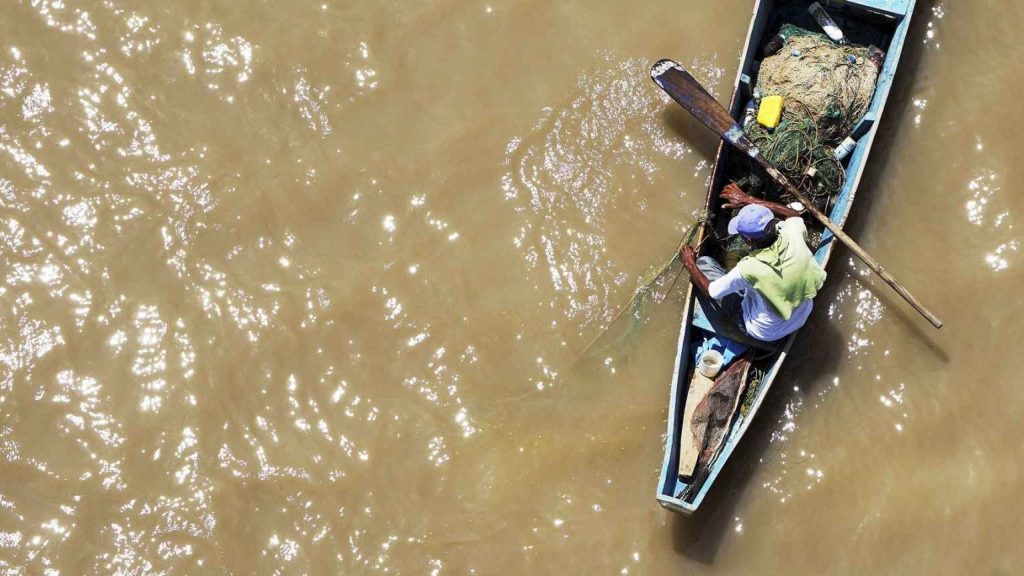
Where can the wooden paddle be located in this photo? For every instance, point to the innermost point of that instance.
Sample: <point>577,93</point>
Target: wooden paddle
<point>685,90</point>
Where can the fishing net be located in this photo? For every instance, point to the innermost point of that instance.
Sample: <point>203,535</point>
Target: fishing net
<point>797,148</point>
<point>752,391</point>
<point>833,83</point>
<point>826,89</point>
<point>734,250</point>
<point>654,288</point>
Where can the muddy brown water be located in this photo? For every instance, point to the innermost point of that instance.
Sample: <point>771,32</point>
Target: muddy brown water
<point>298,289</point>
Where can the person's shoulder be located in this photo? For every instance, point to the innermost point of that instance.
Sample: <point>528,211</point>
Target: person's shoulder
<point>793,227</point>
<point>794,222</point>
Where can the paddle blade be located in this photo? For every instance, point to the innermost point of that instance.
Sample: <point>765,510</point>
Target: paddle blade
<point>684,89</point>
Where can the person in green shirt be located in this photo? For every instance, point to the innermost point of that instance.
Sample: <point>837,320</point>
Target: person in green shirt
<point>769,292</point>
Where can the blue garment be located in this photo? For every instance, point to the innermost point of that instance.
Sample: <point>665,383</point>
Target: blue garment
<point>727,348</point>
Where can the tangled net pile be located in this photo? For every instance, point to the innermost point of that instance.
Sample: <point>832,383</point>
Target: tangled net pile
<point>833,83</point>
<point>796,146</point>
<point>826,89</point>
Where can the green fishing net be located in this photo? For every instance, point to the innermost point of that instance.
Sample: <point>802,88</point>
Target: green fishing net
<point>826,89</point>
<point>833,83</point>
<point>796,148</point>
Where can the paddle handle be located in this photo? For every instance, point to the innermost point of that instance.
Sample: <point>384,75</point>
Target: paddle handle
<point>850,243</point>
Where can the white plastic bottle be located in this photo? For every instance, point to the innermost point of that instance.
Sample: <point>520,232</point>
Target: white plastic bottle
<point>827,23</point>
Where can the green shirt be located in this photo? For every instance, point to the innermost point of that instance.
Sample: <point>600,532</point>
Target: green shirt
<point>786,272</point>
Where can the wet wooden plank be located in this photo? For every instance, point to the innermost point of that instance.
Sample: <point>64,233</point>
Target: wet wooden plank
<point>689,446</point>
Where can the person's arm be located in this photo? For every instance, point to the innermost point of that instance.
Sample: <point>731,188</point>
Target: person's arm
<point>689,258</point>
<point>737,198</point>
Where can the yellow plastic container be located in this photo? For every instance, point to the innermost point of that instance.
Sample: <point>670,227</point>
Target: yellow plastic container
<point>770,112</point>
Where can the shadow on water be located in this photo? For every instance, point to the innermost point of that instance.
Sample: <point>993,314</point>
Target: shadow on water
<point>700,536</point>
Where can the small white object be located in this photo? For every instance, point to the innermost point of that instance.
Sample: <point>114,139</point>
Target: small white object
<point>749,114</point>
<point>845,147</point>
<point>710,363</point>
<point>796,206</point>
<point>827,23</point>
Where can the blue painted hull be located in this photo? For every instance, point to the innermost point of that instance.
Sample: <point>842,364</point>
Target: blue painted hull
<point>891,17</point>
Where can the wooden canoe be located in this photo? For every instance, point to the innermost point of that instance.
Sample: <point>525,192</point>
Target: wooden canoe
<point>890,19</point>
